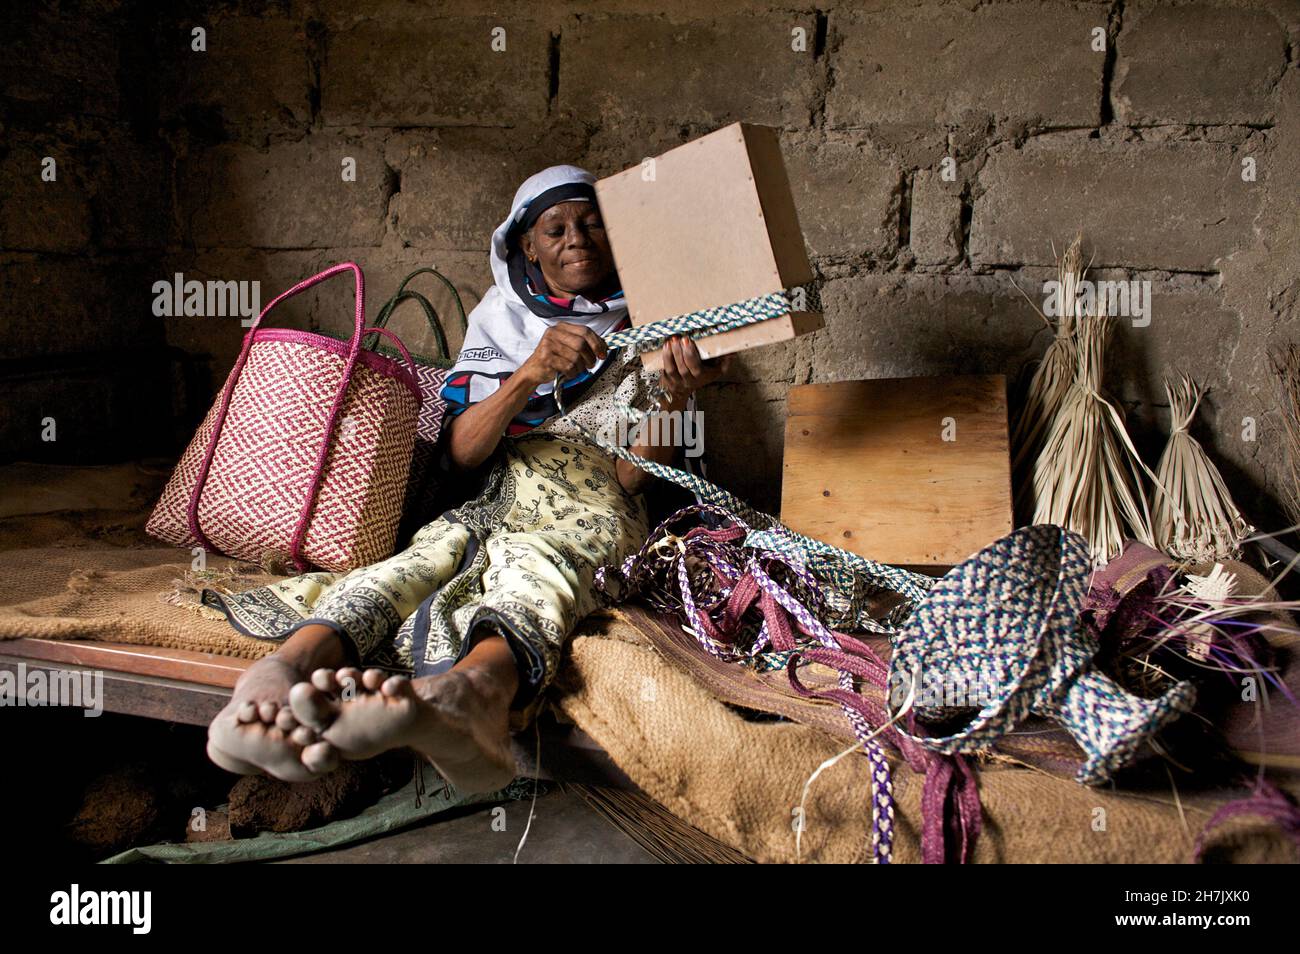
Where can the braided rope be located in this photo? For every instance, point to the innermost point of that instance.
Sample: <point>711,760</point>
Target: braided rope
<point>713,581</point>
<point>709,321</point>
<point>740,579</point>
<point>850,578</point>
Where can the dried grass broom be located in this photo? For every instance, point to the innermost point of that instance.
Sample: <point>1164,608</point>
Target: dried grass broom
<point>1051,379</point>
<point>1088,476</point>
<point>1194,517</point>
<point>661,833</point>
<point>1286,367</point>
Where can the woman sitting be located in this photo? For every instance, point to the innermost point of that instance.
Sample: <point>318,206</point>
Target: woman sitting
<point>447,646</point>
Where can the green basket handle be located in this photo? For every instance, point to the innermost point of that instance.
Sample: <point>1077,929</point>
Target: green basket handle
<point>430,313</point>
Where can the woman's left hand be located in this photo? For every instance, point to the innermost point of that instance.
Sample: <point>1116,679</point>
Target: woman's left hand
<point>684,371</point>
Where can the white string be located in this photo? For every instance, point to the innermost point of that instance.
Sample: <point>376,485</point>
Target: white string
<point>532,808</point>
<point>807,786</point>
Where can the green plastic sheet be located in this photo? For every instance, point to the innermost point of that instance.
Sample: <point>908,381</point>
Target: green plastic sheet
<point>393,812</point>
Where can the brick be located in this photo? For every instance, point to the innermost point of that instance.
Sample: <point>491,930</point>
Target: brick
<point>457,185</point>
<point>615,147</point>
<point>60,306</point>
<point>57,66</point>
<point>217,338</point>
<point>112,411</point>
<point>291,195</point>
<point>1025,62</point>
<point>429,72</point>
<point>327,307</point>
<point>744,437</point>
<point>917,325</point>
<point>935,227</point>
<point>1190,330</point>
<point>36,215</point>
<point>254,76</point>
<point>1178,206</point>
<point>343,15</point>
<point>916,145</point>
<point>905,326</point>
<point>769,364</point>
<point>847,198</point>
<point>710,72</point>
<point>1197,64</point>
<point>132,195</point>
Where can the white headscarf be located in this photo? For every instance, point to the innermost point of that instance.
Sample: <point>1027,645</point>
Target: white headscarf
<point>507,325</point>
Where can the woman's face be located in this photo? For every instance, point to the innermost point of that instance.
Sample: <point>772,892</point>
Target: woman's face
<point>569,244</point>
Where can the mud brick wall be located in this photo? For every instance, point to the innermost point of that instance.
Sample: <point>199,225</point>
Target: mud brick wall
<point>1131,120</point>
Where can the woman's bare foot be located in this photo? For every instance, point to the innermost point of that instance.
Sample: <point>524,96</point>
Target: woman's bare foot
<point>459,720</point>
<point>257,732</point>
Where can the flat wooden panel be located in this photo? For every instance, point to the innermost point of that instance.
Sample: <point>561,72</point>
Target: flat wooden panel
<point>204,669</point>
<point>694,236</point>
<point>716,225</point>
<point>751,336</point>
<point>151,697</point>
<point>867,469</point>
<point>779,214</point>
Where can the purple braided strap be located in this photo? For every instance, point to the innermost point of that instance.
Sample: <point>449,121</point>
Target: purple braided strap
<point>1267,802</point>
<point>710,577</point>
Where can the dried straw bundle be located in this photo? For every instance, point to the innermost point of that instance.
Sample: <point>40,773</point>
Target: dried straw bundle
<point>1088,476</point>
<point>657,830</point>
<point>1194,516</point>
<point>1286,367</point>
<point>1051,380</point>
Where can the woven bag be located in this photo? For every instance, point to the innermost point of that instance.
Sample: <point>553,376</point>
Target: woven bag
<point>431,372</point>
<point>305,454</point>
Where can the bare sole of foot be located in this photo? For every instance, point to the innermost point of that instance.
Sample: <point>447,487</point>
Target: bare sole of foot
<point>257,733</point>
<point>457,720</point>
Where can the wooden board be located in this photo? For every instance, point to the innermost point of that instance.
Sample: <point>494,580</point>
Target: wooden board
<point>204,669</point>
<point>867,467</point>
<point>714,224</point>
<point>173,685</point>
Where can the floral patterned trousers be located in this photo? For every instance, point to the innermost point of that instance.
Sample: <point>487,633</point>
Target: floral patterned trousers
<point>518,560</point>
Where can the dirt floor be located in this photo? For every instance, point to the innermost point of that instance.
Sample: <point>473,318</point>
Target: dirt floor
<point>564,830</point>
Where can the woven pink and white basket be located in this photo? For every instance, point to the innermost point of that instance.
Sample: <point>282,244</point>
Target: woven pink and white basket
<point>304,455</point>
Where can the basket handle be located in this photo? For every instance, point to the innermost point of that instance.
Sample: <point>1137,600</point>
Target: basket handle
<point>397,343</point>
<point>430,313</point>
<point>354,349</point>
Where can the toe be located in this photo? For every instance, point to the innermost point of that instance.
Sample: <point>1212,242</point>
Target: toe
<point>253,748</point>
<point>247,712</point>
<point>325,680</point>
<point>320,757</point>
<point>372,679</point>
<point>311,706</point>
<point>267,711</point>
<point>304,735</point>
<point>397,687</point>
<point>349,680</point>
<point>285,720</point>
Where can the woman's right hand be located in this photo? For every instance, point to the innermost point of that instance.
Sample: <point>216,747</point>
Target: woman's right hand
<point>567,349</point>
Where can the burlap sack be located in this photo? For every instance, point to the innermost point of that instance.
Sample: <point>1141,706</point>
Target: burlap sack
<point>741,781</point>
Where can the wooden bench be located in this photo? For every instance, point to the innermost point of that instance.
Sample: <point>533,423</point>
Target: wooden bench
<point>179,685</point>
